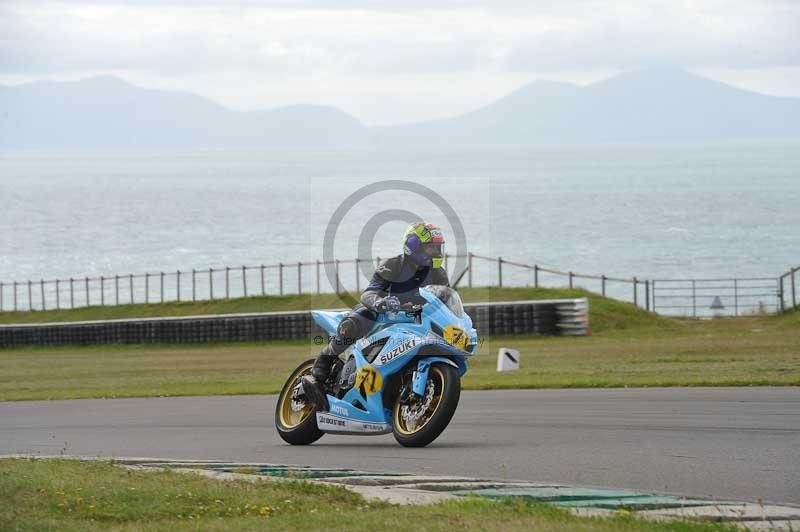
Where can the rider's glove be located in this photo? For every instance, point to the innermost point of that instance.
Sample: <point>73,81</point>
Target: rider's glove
<point>387,304</point>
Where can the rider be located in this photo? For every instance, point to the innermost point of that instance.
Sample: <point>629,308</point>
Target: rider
<point>394,283</point>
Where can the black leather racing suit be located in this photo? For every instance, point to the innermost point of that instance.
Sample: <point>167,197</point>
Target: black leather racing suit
<point>397,276</point>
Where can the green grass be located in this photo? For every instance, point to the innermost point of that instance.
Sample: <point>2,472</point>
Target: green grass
<point>69,495</point>
<point>628,347</point>
<point>618,312</point>
<point>653,352</point>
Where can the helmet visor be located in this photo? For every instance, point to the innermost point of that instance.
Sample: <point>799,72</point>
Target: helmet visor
<point>434,249</point>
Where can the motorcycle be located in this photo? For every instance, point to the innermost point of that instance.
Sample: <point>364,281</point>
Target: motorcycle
<point>403,377</point>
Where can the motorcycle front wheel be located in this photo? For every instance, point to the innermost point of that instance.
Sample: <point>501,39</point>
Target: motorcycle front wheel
<point>418,423</point>
<point>295,415</point>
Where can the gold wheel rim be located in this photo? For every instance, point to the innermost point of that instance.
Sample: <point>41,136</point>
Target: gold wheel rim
<point>290,418</point>
<point>439,383</point>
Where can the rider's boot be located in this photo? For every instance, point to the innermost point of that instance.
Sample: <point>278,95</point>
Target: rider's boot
<point>314,384</point>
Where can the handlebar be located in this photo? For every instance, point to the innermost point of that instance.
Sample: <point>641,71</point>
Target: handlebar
<point>409,309</point>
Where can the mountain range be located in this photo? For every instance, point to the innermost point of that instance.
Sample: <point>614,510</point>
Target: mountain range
<point>645,105</point>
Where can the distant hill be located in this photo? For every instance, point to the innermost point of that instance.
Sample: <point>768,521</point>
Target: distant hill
<point>107,112</point>
<point>643,105</point>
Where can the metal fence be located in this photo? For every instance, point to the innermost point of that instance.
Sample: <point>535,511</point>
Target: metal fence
<point>716,297</point>
<point>694,298</point>
<point>681,297</point>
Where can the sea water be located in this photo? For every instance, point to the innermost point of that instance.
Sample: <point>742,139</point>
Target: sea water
<point>649,210</point>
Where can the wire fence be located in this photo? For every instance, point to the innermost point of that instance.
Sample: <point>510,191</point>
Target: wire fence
<point>676,297</point>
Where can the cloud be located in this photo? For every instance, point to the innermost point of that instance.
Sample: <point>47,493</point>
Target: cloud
<point>262,53</point>
<point>282,36</point>
<point>690,37</point>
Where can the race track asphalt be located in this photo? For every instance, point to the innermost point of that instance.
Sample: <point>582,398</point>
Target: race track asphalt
<point>723,443</point>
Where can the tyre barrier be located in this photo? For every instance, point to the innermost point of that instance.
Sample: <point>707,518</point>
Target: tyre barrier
<point>547,317</point>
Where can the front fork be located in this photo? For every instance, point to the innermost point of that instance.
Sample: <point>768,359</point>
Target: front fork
<point>419,382</point>
<point>419,379</point>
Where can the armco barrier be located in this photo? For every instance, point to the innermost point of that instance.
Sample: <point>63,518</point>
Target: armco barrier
<point>552,317</point>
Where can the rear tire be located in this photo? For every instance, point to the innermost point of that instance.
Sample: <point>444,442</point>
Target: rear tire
<point>296,428</point>
<point>446,393</point>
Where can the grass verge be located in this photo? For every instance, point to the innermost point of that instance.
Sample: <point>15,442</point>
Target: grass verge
<point>70,495</point>
<point>628,347</point>
<point>620,311</point>
<point>743,352</point>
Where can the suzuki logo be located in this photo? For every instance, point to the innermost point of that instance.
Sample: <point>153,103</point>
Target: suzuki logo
<point>397,351</point>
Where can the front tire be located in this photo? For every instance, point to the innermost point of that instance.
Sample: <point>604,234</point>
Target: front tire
<point>442,394</point>
<point>296,426</point>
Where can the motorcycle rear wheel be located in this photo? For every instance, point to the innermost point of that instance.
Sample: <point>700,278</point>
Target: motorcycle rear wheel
<point>446,392</point>
<point>297,427</point>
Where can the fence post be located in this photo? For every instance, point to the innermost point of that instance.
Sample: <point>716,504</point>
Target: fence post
<point>358,281</point>
<point>244,280</point>
<point>635,292</point>
<point>161,287</point>
<point>15,296</point>
<point>102,291</point>
<point>116,289</point>
<point>654,296</point>
<point>178,285</point>
<point>694,299</point>
<point>211,283</point>
<point>536,276</point>
<point>194,284</point>
<point>1,297</point>
<point>41,290</point>
<point>571,276</point>
<point>794,292</point>
<point>299,277</point>
<point>317,276</point>
<point>647,295</point>
<point>336,267</point>
<point>603,284</point>
<point>263,289</point>
<point>87,292</point>
<point>500,272</point>
<point>735,297</point>
<point>30,295</point>
<point>58,295</point>
<point>147,288</point>
<point>130,287</point>
<point>280,278</point>
<point>227,282</point>
<point>71,294</point>
<point>469,269</point>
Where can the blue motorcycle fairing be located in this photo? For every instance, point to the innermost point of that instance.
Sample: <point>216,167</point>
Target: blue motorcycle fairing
<point>329,320</point>
<point>439,313</point>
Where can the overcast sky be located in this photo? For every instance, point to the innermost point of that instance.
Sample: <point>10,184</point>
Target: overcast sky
<point>388,62</point>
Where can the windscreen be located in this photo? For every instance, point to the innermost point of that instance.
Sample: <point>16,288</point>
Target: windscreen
<point>449,297</point>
